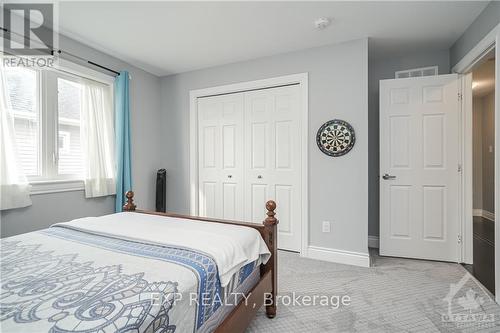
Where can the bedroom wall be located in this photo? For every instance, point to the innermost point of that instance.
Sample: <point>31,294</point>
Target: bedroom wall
<point>483,132</point>
<point>488,165</point>
<point>380,69</point>
<point>482,25</point>
<point>145,112</point>
<point>338,82</point>
<point>477,152</point>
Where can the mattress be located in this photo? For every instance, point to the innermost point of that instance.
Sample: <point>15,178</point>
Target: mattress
<point>245,280</point>
<point>79,278</point>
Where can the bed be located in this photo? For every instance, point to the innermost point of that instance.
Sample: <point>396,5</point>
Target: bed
<point>139,271</point>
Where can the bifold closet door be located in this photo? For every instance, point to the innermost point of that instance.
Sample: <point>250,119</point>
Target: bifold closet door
<point>220,156</point>
<point>273,159</point>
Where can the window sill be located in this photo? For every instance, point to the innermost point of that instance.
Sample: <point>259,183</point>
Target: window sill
<point>55,186</point>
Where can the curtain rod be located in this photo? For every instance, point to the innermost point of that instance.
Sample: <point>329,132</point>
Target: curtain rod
<point>87,61</point>
<point>53,51</point>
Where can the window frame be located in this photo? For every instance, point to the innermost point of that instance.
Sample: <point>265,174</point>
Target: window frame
<point>48,179</point>
<point>48,152</point>
<point>53,101</point>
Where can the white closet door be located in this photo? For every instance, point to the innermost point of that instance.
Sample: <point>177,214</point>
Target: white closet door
<point>220,149</point>
<point>273,159</point>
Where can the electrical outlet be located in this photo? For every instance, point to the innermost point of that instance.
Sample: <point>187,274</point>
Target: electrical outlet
<point>490,148</point>
<point>326,226</point>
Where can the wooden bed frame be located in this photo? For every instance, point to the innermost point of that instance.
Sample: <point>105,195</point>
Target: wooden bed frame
<point>241,316</point>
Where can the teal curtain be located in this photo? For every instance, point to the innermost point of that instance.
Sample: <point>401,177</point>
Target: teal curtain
<point>122,135</point>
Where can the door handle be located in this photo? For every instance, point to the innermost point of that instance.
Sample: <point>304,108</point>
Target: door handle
<point>387,176</point>
<point>259,176</point>
<point>229,176</point>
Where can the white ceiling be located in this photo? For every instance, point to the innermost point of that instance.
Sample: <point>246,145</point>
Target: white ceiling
<point>172,37</point>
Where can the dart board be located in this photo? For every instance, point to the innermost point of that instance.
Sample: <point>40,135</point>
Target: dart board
<point>335,138</point>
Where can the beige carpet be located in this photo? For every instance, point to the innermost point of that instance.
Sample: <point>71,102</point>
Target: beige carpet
<point>395,295</point>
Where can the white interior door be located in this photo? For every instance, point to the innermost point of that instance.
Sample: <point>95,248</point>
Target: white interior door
<point>420,167</point>
<point>273,160</point>
<point>220,159</point>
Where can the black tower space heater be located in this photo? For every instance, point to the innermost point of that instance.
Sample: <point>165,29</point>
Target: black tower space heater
<point>161,190</point>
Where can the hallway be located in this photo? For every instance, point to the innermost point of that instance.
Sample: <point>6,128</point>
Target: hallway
<point>484,252</point>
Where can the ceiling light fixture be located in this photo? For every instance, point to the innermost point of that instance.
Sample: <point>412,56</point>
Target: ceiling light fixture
<point>322,22</point>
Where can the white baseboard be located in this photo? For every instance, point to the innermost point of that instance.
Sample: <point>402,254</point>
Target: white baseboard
<point>338,256</point>
<point>373,241</point>
<point>484,213</point>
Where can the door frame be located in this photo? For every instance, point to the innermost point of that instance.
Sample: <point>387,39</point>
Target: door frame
<point>458,245</point>
<point>302,80</point>
<point>490,41</point>
<point>465,137</point>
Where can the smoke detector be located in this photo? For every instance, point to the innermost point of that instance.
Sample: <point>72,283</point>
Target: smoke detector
<point>322,22</point>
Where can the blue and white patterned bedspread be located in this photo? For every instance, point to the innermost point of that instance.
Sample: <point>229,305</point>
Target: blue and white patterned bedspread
<point>63,280</point>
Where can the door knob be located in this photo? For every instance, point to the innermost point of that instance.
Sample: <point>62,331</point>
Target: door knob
<point>387,176</point>
<point>229,176</point>
<point>259,176</point>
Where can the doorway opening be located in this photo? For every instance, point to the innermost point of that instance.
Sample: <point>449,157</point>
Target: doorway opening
<point>483,169</point>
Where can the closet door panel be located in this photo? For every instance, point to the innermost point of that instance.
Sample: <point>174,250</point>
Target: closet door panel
<point>232,173</point>
<point>259,194</point>
<point>209,157</point>
<point>208,142</point>
<point>286,165</point>
<point>208,199</point>
<point>229,202</point>
<point>259,137</point>
<point>284,195</point>
<point>258,108</point>
<point>283,144</point>
<point>220,177</point>
<point>273,159</point>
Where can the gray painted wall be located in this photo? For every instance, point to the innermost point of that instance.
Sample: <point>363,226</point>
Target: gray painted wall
<point>338,187</point>
<point>488,130</point>
<point>487,20</point>
<point>483,133</point>
<point>52,208</point>
<point>380,69</point>
<point>146,147</point>
<point>477,153</point>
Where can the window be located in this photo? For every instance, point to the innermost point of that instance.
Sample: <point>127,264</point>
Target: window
<point>69,104</point>
<point>64,142</point>
<point>22,85</point>
<point>47,107</point>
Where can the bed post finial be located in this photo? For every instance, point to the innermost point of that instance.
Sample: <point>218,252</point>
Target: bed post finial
<point>270,220</point>
<point>271,238</point>
<point>129,205</point>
